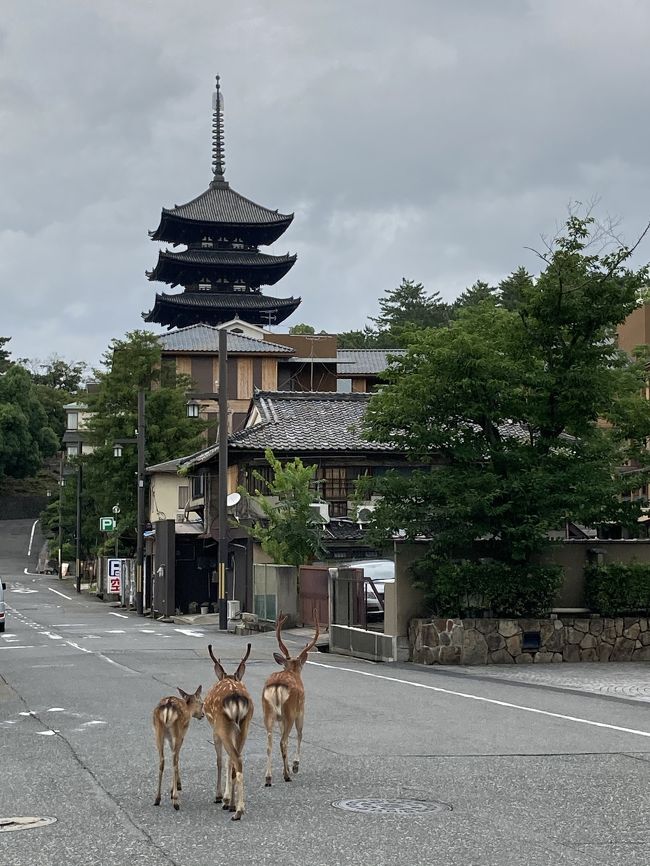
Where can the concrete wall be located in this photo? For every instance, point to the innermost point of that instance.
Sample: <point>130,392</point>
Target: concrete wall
<point>363,644</point>
<point>275,589</point>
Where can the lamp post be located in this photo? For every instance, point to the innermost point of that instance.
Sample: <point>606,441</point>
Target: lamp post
<point>223,479</point>
<point>78,533</point>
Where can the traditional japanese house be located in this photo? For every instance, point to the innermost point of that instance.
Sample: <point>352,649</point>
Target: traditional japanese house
<point>222,269</point>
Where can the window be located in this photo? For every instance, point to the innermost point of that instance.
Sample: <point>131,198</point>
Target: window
<point>183,495</point>
<point>73,420</point>
<point>344,386</point>
<point>72,449</point>
<point>205,286</point>
<point>206,243</point>
<point>253,483</point>
<point>198,486</point>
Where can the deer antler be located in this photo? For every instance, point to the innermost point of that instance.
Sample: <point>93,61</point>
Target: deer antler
<point>278,628</point>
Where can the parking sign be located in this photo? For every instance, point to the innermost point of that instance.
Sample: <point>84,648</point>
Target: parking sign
<point>115,575</point>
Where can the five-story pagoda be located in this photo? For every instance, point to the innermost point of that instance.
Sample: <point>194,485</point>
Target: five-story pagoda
<point>222,269</point>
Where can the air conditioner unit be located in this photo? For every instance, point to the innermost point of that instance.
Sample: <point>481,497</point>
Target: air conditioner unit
<point>364,514</point>
<point>321,511</point>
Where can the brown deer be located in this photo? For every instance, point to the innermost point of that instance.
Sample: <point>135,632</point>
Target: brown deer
<point>229,709</point>
<point>171,719</point>
<point>283,700</point>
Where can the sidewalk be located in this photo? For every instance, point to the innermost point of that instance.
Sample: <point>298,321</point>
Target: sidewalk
<point>626,680</point>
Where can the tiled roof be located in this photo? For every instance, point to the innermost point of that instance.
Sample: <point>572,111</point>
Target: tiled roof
<point>232,301</point>
<point>357,362</point>
<point>221,204</point>
<point>205,338</point>
<point>307,421</point>
<point>243,258</point>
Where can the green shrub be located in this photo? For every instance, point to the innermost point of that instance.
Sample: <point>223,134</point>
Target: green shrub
<point>616,588</point>
<point>465,589</point>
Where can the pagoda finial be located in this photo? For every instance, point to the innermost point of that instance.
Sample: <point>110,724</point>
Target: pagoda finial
<point>218,159</point>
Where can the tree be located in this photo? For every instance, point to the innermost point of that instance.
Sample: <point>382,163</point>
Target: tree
<point>519,419</point>
<point>130,364</point>
<point>406,310</point>
<point>5,363</point>
<point>25,437</point>
<point>289,534</point>
<point>365,339</point>
<point>477,293</point>
<point>301,329</point>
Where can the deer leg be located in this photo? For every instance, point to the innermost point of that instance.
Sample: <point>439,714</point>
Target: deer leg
<point>161,765</point>
<point>269,718</point>
<point>175,778</point>
<point>227,795</point>
<point>285,730</point>
<point>296,761</point>
<point>218,797</point>
<point>236,778</point>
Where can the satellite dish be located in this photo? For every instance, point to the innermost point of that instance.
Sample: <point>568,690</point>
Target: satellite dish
<point>232,499</point>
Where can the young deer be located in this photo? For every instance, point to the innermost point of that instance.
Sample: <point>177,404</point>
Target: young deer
<point>283,700</point>
<point>171,719</point>
<point>229,709</point>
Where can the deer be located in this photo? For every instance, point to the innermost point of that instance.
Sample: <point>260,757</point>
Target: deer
<point>283,700</point>
<point>229,709</point>
<point>171,719</point>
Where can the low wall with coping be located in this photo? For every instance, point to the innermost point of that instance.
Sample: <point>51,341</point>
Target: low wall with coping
<point>526,641</point>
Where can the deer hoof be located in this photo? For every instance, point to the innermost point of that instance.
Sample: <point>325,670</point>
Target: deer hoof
<point>179,787</point>
<point>226,806</point>
<point>236,816</point>
<point>176,806</point>
<point>156,802</point>
<point>288,779</point>
<point>218,799</point>
<point>267,783</point>
<point>296,767</point>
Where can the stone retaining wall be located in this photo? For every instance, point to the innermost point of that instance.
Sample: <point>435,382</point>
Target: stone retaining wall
<point>506,641</point>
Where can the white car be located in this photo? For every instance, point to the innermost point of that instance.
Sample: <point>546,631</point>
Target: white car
<point>381,572</point>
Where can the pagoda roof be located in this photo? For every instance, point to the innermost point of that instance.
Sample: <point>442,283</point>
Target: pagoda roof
<point>212,308</point>
<point>188,265</point>
<point>219,206</point>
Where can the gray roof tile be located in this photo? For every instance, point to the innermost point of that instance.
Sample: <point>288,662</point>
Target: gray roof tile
<point>205,338</point>
<point>221,204</point>
<point>357,362</point>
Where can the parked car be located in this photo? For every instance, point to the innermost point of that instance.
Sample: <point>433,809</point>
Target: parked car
<point>3,606</point>
<point>381,572</point>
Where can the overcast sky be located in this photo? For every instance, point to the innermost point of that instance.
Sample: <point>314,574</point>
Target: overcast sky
<point>427,139</point>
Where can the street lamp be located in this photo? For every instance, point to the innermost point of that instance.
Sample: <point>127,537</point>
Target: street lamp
<point>193,408</point>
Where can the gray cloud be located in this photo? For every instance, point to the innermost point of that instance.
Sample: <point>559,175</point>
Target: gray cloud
<point>426,139</point>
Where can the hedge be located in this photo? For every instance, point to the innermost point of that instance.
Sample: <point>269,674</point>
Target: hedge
<point>616,589</point>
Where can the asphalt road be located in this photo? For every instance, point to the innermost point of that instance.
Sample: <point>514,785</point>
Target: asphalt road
<point>533,775</point>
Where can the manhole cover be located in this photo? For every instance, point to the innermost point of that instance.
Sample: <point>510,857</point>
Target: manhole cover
<point>7,824</point>
<point>391,807</point>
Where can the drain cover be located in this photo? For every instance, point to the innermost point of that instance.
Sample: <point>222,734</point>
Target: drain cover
<point>391,807</point>
<point>7,824</point>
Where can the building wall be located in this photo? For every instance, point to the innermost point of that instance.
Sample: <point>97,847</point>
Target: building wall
<point>635,330</point>
<point>163,495</point>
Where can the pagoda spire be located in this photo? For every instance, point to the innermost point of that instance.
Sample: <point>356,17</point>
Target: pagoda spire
<point>218,158</point>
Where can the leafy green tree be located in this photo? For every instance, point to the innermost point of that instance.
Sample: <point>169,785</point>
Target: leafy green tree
<point>406,310</point>
<point>518,420</point>
<point>477,293</point>
<point>5,363</point>
<point>302,329</point>
<point>289,534</point>
<point>130,364</point>
<point>514,288</point>
<point>365,339</point>
<point>25,437</point>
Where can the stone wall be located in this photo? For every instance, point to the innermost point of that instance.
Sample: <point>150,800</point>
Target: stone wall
<point>526,641</point>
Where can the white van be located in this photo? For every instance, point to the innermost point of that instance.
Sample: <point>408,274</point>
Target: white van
<point>3,606</point>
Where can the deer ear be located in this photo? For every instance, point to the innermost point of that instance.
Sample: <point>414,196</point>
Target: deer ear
<point>279,659</point>
<point>197,693</point>
<point>183,694</point>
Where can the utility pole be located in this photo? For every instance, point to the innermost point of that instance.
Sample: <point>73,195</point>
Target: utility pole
<point>139,545</point>
<point>223,479</point>
<point>79,485</point>
<point>61,482</point>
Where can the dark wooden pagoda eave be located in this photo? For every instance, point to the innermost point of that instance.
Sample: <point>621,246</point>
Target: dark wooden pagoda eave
<point>173,315</point>
<point>181,273</point>
<point>180,230</point>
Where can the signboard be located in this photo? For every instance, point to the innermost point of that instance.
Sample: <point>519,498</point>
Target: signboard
<point>106,524</point>
<point>115,576</point>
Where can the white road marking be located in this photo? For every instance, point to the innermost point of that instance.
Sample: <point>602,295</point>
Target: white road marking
<point>99,655</point>
<point>28,713</point>
<point>189,632</point>
<point>69,597</point>
<point>115,631</point>
<point>47,733</point>
<point>13,646</point>
<point>31,538</point>
<point>94,722</point>
<point>487,700</point>
<point>112,613</point>
<point>51,635</point>
<point>55,710</point>
<point>24,591</point>
<point>54,666</point>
